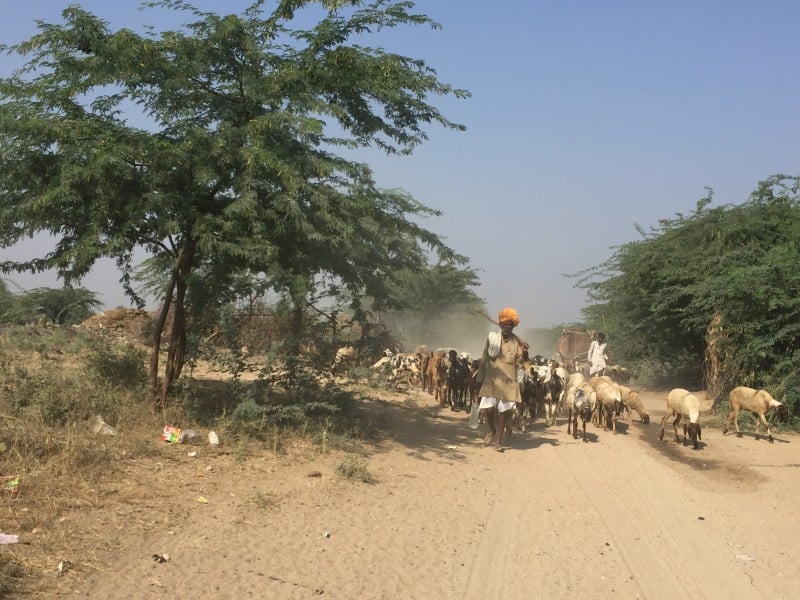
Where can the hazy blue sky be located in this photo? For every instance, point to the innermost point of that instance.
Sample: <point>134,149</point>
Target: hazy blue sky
<point>585,119</point>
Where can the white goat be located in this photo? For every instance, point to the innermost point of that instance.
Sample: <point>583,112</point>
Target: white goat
<point>555,390</point>
<point>609,401</point>
<point>757,401</point>
<point>632,401</point>
<point>579,404</point>
<point>574,381</point>
<point>564,376</point>
<point>683,404</point>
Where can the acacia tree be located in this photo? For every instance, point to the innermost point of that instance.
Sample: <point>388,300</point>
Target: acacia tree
<point>227,163</point>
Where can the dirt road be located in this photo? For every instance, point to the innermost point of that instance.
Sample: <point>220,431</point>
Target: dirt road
<point>620,515</point>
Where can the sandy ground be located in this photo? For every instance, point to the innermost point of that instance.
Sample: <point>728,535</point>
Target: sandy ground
<point>622,516</point>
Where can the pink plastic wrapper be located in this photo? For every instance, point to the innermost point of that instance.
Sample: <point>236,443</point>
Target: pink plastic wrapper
<point>171,434</point>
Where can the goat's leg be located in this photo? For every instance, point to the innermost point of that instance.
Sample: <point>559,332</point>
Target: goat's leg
<point>736,410</point>
<point>763,419</point>
<point>663,425</point>
<point>728,420</point>
<point>675,427</point>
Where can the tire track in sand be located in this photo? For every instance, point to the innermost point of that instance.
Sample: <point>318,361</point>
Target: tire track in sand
<point>633,535</point>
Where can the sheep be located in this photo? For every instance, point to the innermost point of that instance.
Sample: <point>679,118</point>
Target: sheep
<point>683,404</point>
<point>757,401</point>
<point>632,401</point>
<point>609,401</point>
<point>579,404</point>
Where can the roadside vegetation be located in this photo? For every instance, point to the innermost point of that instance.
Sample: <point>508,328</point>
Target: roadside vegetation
<point>75,418</point>
<point>710,299</point>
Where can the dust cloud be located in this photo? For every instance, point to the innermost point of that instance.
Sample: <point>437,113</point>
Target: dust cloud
<point>465,330</point>
<point>461,329</point>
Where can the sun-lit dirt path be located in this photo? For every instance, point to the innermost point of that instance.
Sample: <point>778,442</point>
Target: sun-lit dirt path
<point>620,515</point>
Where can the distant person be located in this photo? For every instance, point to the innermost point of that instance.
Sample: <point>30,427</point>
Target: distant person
<point>598,355</point>
<point>497,374</point>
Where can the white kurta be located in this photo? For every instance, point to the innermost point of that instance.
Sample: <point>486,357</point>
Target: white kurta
<point>597,356</point>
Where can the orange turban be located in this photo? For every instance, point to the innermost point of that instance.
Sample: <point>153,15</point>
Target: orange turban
<point>509,314</point>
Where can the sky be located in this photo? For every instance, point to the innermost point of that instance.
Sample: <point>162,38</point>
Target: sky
<point>585,120</point>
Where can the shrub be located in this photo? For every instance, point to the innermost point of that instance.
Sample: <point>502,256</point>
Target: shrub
<point>355,468</point>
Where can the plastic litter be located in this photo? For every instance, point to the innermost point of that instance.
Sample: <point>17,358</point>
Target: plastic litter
<point>8,538</point>
<point>171,434</point>
<point>189,436</point>
<point>213,438</point>
<point>10,485</point>
<point>100,426</point>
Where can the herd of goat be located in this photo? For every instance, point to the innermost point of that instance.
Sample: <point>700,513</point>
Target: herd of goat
<point>549,389</point>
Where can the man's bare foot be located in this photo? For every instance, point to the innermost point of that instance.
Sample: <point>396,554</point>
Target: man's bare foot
<point>488,438</point>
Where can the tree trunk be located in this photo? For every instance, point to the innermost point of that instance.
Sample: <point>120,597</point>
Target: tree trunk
<point>177,339</point>
<point>177,345</point>
<point>714,361</point>
<point>159,329</point>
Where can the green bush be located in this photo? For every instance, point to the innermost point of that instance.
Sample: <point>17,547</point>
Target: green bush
<point>122,366</point>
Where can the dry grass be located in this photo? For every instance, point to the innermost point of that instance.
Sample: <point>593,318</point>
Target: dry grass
<point>80,490</point>
<point>50,388</point>
<point>355,468</point>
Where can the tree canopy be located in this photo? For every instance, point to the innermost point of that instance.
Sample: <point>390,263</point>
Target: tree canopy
<point>213,147</point>
<point>711,296</point>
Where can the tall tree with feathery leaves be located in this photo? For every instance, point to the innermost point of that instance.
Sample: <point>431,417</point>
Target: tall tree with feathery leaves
<point>215,145</point>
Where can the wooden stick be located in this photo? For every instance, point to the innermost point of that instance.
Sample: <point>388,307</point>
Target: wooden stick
<point>482,313</point>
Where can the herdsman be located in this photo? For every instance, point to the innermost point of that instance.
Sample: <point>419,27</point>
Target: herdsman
<point>497,374</point>
<point>598,355</point>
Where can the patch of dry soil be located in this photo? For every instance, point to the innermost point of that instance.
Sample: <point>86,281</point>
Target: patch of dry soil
<point>622,516</point>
